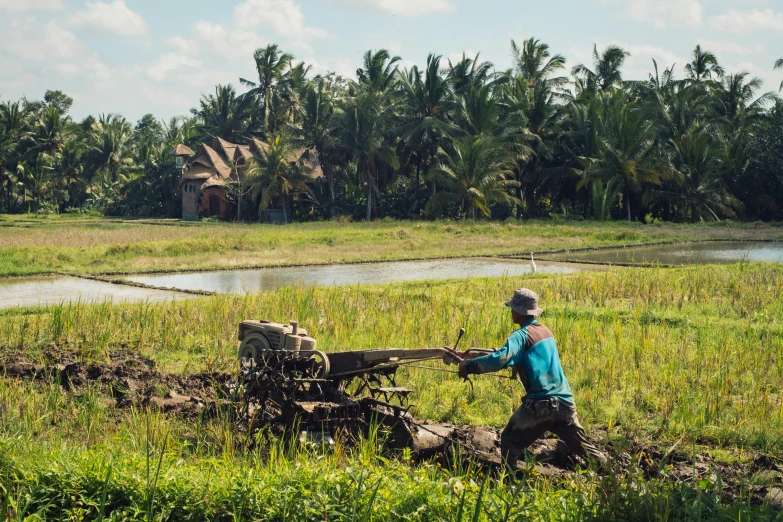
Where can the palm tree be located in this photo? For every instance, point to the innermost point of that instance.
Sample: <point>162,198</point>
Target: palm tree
<point>361,130</point>
<point>276,176</point>
<point>378,71</point>
<point>468,73</point>
<point>51,130</point>
<point>543,119</point>
<point>315,130</point>
<point>476,175</point>
<point>583,129</point>
<point>224,114</point>
<point>735,103</point>
<point>70,166</point>
<point>603,197</point>
<point>14,131</point>
<point>779,65</point>
<point>606,72</point>
<point>534,63</point>
<point>425,113</point>
<point>628,152</point>
<point>110,143</point>
<point>271,64</point>
<point>701,192</point>
<point>704,64</point>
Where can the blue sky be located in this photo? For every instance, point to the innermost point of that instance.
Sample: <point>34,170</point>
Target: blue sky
<point>137,56</point>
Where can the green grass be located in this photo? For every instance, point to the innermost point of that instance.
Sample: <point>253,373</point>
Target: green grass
<point>30,245</point>
<point>652,355</point>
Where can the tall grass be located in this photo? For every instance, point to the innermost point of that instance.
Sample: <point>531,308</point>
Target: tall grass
<point>692,355</point>
<point>103,246</point>
<point>694,350</point>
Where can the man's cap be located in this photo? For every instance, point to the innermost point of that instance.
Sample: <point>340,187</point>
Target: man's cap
<point>525,302</point>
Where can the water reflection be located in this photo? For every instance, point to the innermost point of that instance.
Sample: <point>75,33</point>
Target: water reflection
<point>42,291</point>
<point>684,254</point>
<point>266,279</point>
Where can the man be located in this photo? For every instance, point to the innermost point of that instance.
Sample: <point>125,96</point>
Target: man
<point>548,405</point>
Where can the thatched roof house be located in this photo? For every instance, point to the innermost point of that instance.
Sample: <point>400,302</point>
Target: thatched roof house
<point>214,167</point>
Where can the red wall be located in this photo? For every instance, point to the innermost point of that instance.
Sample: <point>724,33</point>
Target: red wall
<point>227,209</point>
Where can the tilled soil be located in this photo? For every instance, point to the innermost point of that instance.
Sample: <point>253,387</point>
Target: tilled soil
<point>126,379</point>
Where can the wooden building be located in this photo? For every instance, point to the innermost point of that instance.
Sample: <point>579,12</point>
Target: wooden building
<point>206,181</point>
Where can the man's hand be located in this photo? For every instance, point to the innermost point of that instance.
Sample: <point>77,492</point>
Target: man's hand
<point>463,371</point>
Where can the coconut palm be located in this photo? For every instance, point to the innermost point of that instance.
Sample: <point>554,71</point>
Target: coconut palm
<point>628,150</point>
<point>110,142</point>
<point>779,65</point>
<point>704,65</point>
<point>315,129</point>
<point>14,133</point>
<point>468,73</point>
<point>701,194</point>
<point>533,62</point>
<point>606,72</point>
<point>543,120</point>
<point>224,114</point>
<point>583,129</point>
<point>271,65</point>
<point>378,71</point>
<point>276,176</point>
<point>426,102</point>
<point>736,103</point>
<point>361,131</point>
<point>476,175</point>
<point>50,131</point>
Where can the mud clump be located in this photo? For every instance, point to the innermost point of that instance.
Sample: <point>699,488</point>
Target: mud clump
<point>125,379</point>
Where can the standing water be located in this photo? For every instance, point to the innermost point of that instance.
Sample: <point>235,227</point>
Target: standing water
<point>266,279</point>
<point>713,252</point>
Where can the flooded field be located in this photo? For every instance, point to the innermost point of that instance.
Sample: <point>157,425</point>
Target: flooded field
<point>684,254</point>
<point>52,290</point>
<point>266,279</point>
<point>42,291</point>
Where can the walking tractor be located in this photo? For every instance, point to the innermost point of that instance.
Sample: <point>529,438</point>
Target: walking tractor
<point>289,383</point>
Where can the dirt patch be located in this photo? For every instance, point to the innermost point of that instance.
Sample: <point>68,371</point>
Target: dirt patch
<point>125,379</point>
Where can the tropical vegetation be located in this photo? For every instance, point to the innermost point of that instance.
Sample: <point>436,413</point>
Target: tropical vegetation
<point>452,139</point>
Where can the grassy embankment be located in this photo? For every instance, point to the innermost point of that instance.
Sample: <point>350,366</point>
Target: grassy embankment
<point>692,355</point>
<point>30,245</point>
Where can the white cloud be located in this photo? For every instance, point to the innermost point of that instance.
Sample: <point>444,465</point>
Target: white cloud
<point>18,6</point>
<point>228,43</point>
<point>663,13</point>
<point>283,16</point>
<point>183,45</point>
<point>342,67</point>
<point>35,44</point>
<point>402,7</point>
<point>168,62</point>
<point>729,47</point>
<point>742,22</point>
<point>115,17</point>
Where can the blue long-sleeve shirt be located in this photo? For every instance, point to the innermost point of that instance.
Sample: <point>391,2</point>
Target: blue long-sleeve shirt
<point>533,351</point>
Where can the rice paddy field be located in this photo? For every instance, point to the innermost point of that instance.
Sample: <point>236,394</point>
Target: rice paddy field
<point>32,245</point>
<point>686,361</point>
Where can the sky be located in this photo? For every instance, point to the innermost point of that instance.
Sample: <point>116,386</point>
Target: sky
<point>134,57</point>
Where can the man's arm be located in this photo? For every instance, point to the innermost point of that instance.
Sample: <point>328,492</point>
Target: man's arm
<point>498,360</point>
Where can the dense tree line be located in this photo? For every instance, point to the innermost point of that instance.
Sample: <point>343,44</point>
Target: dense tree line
<point>452,139</point>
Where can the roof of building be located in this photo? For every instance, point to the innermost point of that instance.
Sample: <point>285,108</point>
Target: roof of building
<point>210,163</point>
<point>209,157</point>
<point>181,150</point>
